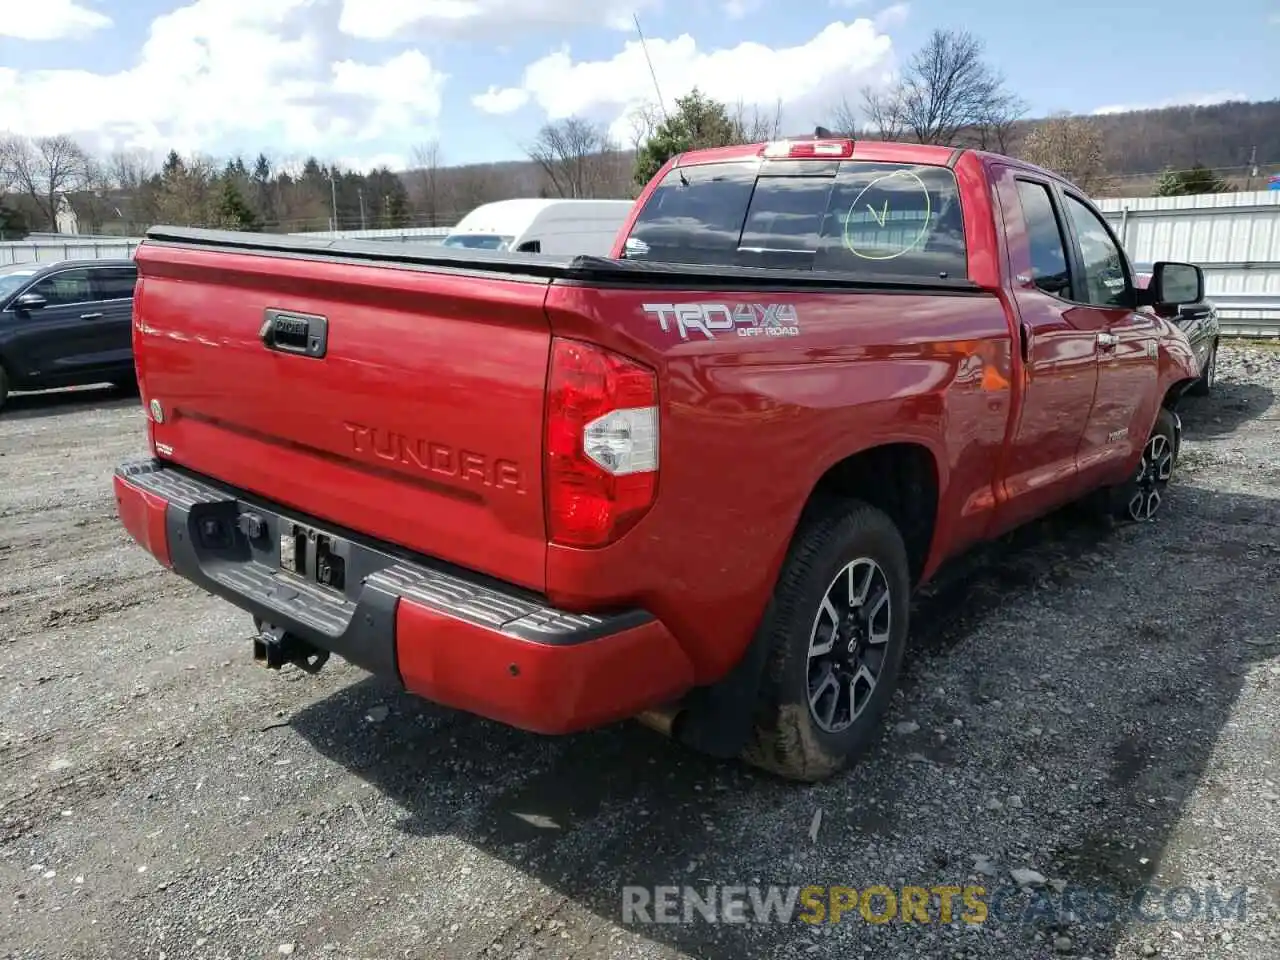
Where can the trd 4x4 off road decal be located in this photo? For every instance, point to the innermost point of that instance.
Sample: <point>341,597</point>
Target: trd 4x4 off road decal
<point>708,319</point>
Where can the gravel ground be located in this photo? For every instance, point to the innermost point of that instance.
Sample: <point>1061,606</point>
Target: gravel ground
<point>1095,705</point>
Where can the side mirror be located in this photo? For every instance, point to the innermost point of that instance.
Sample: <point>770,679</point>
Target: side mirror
<point>30,301</point>
<point>1175,284</point>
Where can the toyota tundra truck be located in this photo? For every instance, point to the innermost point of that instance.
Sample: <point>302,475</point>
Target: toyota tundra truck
<point>695,482</point>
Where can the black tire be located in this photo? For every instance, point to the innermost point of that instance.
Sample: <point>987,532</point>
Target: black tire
<point>789,739</point>
<point>1141,497</point>
<point>1204,386</point>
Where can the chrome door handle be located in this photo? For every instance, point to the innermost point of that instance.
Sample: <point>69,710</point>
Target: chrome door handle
<point>90,316</point>
<point>1107,341</point>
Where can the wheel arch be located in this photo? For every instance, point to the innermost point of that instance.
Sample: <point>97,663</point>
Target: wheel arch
<point>901,478</point>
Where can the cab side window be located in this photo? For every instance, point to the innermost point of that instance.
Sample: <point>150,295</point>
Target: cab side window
<point>1044,240</point>
<point>1104,283</point>
<point>69,286</point>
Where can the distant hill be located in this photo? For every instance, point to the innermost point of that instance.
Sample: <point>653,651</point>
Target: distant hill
<point>1139,144</point>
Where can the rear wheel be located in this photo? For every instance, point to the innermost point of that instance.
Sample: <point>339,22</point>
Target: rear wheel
<point>836,629</point>
<point>1140,499</point>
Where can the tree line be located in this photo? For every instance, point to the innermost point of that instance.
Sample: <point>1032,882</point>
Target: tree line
<point>947,93</point>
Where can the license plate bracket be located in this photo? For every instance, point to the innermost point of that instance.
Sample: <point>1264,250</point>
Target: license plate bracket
<point>313,556</point>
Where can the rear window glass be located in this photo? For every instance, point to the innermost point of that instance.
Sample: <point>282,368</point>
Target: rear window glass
<point>870,218</point>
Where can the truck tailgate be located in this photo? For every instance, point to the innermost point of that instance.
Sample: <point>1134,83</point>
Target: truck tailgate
<point>418,420</point>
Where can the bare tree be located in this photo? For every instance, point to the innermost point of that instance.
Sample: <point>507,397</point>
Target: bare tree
<point>946,94</point>
<point>573,154</point>
<point>8,177</point>
<point>186,194</point>
<point>427,183</point>
<point>885,110</point>
<point>1071,147</point>
<point>995,128</point>
<point>755,125</point>
<point>644,119</point>
<point>96,202</point>
<point>130,170</point>
<point>844,118</point>
<point>44,169</point>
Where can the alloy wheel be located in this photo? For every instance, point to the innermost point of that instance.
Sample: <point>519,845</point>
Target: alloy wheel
<point>848,644</point>
<point>1154,473</point>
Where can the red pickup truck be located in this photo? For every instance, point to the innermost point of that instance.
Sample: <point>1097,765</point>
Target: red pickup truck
<point>695,482</point>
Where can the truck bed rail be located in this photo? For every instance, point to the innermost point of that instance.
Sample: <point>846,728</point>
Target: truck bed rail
<point>599,271</point>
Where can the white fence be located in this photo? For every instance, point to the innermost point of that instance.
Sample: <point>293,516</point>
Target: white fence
<point>1235,237</point>
<point>47,249</point>
<point>73,248</point>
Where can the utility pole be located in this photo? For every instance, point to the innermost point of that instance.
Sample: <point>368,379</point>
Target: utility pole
<point>1253,166</point>
<point>360,194</point>
<point>333,193</point>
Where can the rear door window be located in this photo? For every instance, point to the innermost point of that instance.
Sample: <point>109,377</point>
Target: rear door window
<point>874,219</point>
<point>115,283</point>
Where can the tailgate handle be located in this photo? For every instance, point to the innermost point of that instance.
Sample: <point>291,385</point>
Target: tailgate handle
<point>305,334</point>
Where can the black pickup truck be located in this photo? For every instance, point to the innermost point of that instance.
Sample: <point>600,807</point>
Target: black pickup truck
<point>1199,321</point>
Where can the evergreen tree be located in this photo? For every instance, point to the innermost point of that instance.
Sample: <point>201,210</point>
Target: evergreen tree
<point>1184,183</point>
<point>1168,185</point>
<point>232,209</point>
<point>698,122</point>
<point>13,223</point>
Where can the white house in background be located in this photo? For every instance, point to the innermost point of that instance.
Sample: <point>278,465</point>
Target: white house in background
<point>65,217</point>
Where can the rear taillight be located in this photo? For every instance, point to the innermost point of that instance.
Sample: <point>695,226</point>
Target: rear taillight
<point>602,444</point>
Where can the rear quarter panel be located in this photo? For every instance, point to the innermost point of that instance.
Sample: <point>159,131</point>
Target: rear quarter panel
<point>750,423</point>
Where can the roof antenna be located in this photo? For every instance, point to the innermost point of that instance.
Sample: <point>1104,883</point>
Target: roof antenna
<point>644,48</point>
<point>662,104</point>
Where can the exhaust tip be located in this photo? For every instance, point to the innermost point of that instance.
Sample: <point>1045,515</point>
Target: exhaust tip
<point>661,719</point>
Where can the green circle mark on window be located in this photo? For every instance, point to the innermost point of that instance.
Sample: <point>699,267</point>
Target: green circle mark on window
<point>889,218</point>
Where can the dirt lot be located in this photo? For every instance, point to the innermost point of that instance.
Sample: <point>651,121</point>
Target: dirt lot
<point>1095,705</point>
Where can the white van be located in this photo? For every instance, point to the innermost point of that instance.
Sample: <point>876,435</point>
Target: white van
<point>586,227</point>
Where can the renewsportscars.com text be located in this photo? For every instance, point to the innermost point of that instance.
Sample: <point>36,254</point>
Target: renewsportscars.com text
<point>971,904</point>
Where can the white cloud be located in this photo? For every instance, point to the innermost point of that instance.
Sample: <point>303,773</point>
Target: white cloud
<point>50,20</point>
<point>364,164</point>
<point>1186,100</point>
<point>807,79</point>
<point>215,72</point>
<point>499,101</point>
<point>401,90</point>
<point>894,16</point>
<point>391,19</point>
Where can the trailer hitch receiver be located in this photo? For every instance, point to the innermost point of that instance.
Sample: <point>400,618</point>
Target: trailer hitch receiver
<point>273,647</point>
